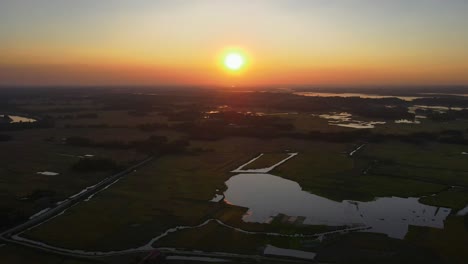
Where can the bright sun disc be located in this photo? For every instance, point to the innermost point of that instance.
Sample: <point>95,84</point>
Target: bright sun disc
<point>234,61</point>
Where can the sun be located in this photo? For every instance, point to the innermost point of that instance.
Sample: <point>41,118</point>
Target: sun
<point>234,61</point>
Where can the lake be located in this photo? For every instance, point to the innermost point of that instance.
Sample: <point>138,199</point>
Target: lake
<point>361,95</point>
<point>20,119</point>
<point>267,196</point>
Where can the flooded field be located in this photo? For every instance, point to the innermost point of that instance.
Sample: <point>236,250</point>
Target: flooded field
<point>17,118</point>
<point>48,173</point>
<point>406,121</point>
<point>267,196</point>
<point>439,109</point>
<point>361,95</point>
<point>345,119</point>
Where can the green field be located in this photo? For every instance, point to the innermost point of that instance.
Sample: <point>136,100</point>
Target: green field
<point>11,254</point>
<point>455,198</point>
<point>373,248</point>
<point>435,163</point>
<point>214,237</point>
<point>448,243</point>
<point>175,190</point>
<point>392,169</point>
<point>170,191</point>
<point>23,192</point>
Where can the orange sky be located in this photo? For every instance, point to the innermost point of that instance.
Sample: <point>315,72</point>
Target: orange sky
<point>357,42</point>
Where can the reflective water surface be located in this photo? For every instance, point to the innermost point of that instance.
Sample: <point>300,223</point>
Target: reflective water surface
<point>21,119</point>
<point>345,119</point>
<point>267,196</point>
<point>436,108</point>
<point>361,95</point>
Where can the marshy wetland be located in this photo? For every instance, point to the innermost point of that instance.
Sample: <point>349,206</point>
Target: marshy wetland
<point>264,174</point>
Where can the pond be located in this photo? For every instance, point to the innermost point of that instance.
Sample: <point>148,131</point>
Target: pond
<point>48,173</point>
<point>345,119</point>
<point>18,119</point>
<point>267,196</point>
<point>407,121</point>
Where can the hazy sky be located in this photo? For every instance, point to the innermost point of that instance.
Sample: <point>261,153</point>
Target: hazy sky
<point>84,42</point>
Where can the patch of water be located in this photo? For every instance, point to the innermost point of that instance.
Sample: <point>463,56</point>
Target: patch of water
<point>436,108</point>
<point>406,121</point>
<point>361,125</point>
<point>18,119</point>
<point>463,211</point>
<point>22,119</point>
<point>267,196</point>
<point>345,119</point>
<point>217,198</point>
<point>48,173</point>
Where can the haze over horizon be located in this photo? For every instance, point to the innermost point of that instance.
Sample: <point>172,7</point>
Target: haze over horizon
<point>117,42</point>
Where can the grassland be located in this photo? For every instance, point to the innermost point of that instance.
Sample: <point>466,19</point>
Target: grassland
<point>113,119</point>
<point>436,163</point>
<point>10,254</point>
<point>448,243</point>
<point>174,190</point>
<point>455,198</point>
<point>425,126</point>
<point>372,248</point>
<point>379,169</point>
<point>307,122</point>
<point>29,153</point>
<point>214,237</point>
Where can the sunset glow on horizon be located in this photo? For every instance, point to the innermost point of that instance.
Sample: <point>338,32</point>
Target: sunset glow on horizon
<point>279,42</point>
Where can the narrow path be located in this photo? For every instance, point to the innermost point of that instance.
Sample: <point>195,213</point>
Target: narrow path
<point>17,239</point>
<point>241,169</point>
<point>356,150</point>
